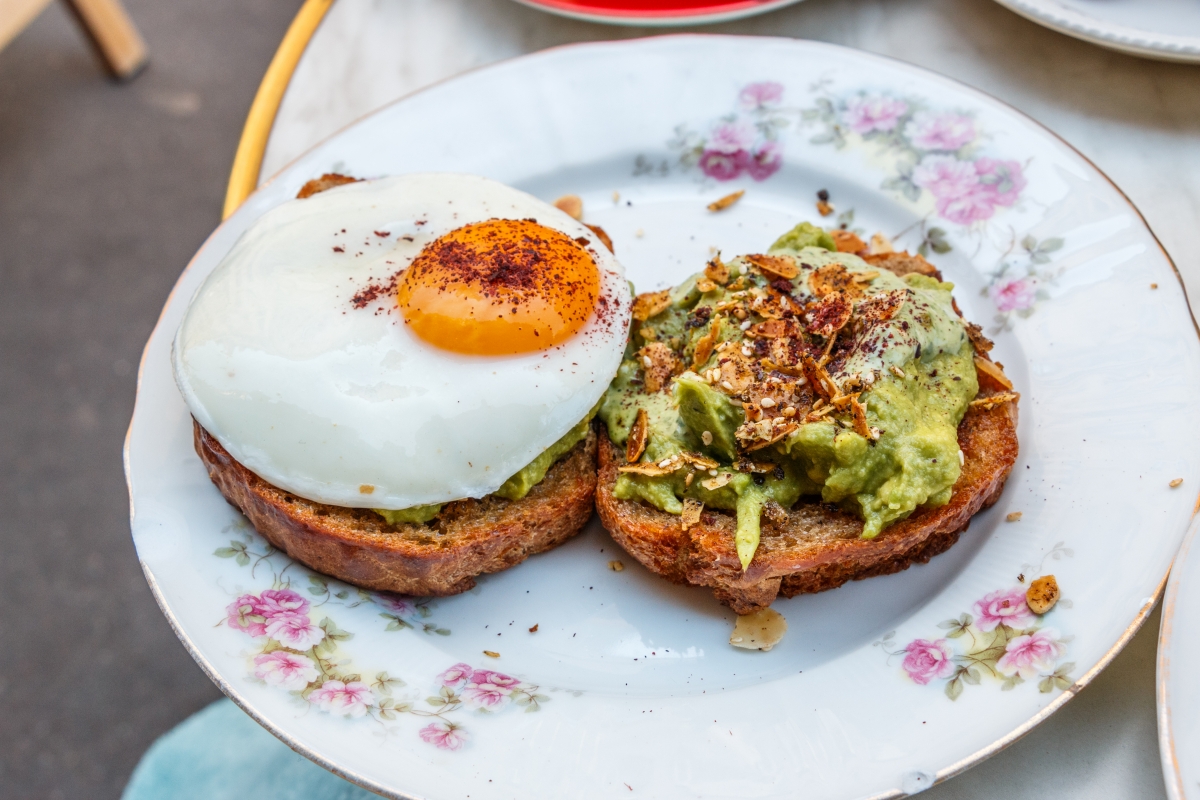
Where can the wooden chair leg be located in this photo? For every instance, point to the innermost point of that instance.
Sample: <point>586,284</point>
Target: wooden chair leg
<point>15,16</point>
<point>113,34</point>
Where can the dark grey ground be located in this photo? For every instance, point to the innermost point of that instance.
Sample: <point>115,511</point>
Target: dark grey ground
<point>105,192</point>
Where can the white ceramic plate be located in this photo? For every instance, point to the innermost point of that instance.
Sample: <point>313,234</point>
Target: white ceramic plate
<point>1163,29</point>
<point>881,687</point>
<point>1178,666</point>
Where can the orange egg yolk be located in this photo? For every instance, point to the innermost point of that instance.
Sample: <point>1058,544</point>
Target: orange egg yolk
<point>500,287</point>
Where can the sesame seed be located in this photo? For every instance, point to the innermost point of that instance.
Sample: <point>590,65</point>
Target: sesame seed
<point>789,412</point>
<point>707,438</point>
<point>778,421</point>
<point>727,386</point>
<point>768,402</point>
<point>745,325</point>
<point>646,360</point>
<point>746,350</point>
<point>666,462</point>
<point>962,459</point>
<point>712,472</point>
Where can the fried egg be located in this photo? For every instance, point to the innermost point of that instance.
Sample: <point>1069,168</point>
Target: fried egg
<point>402,341</point>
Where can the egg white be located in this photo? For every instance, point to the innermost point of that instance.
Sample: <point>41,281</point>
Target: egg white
<point>323,399</point>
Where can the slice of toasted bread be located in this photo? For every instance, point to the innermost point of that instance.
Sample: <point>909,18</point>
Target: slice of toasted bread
<point>466,539</point>
<point>813,546</point>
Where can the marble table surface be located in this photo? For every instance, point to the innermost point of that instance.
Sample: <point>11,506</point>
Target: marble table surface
<point>1137,120</point>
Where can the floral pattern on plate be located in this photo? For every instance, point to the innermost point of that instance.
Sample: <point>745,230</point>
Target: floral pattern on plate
<point>295,652</point>
<point>1003,640</point>
<point>935,157</point>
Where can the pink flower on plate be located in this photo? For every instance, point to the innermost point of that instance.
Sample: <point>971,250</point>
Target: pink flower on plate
<point>926,660</point>
<point>756,95</point>
<point>1031,655</point>
<point>456,676</point>
<point>1004,179</point>
<point>969,191</point>
<point>723,166</point>
<point>494,678</point>
<point>1003,607</point>
<point>1013,294</point>
<point>290,671</point>
<point>343,699</point>
<point>732,137</point>
<point>765,161</point>
<point>278,602</point>
<point>873,113</point>
<point>486,695</point>
<point>243,615</point>
<point>445,735</point>
<point>398,604</point>
<point>948,131</point>
<point>294,630</point>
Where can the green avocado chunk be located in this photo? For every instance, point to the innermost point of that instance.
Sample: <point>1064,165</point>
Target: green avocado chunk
<point>515,487</point>
<point>804,235</point>
<point>905,358</point>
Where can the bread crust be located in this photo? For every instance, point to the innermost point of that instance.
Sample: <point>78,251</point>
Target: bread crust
<point>468,538</point>
<point>813,546</point>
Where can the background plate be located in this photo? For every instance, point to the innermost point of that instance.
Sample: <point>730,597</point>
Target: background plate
<point>1162,29</point>
<point>881,687</point>
<point>1178,665</point>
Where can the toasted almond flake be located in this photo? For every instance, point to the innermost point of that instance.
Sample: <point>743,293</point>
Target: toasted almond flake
<point>491,654</point>
<point>707,438</point>
<point>704,286</point>
<point>691,513</point>
<point>366,488</point>
<point>699,461</point>
<point>616,566</point>
<point>779,266</point>
<point>571,204</point>
<point>704,347</point>
<point>649,304</point>
<point>635,445</point>
<point>880,244</point>
<point>746,465</point>
<point>993,371</point>
<point>648,333</point>
<point>775,437</point>
<point>858,413</point>
<point>848,241</point>
<point>666,467</point>
<point>1042,594</point>
<point>712,484</point>
<point>716,271</point>
<point>820,380</point>
<point>726,201</point>
<point>1175,484</point>
<point>1014,516</point>
<point>760,630</point>
<point>995,400</point>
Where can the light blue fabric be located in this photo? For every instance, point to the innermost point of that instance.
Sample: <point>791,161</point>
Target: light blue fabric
<point>220,753</point>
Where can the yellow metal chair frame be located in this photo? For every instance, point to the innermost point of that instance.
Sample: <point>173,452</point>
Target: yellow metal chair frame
<point>247,162</point>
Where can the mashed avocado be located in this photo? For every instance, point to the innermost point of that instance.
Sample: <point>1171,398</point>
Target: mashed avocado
<point>515,487</point>
<point>802,371</point>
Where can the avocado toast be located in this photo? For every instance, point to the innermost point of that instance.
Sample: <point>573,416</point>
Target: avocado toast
<point>788,421</point>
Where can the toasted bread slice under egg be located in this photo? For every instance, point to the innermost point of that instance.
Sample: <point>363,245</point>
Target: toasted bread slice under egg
<point>442,557</point>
